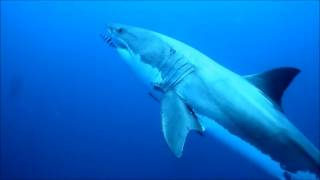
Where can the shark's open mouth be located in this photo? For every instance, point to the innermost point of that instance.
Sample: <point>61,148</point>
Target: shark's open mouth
<point>113,41</point>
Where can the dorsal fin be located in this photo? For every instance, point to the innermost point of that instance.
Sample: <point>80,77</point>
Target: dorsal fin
<point>274,82</point>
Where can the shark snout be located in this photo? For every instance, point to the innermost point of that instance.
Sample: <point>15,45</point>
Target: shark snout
<point>113,36</point>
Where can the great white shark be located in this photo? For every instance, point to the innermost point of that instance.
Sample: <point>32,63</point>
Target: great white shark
<point>197,93</point>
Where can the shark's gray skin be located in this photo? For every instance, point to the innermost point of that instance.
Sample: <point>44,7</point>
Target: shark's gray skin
<point>196,93</point>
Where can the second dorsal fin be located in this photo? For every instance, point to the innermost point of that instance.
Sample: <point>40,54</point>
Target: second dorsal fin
<point>274,82</point>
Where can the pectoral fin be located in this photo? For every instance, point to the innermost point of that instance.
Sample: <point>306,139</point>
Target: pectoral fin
<point>177,121</point>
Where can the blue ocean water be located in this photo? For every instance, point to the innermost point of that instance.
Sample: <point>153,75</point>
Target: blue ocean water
<point>71,108</point>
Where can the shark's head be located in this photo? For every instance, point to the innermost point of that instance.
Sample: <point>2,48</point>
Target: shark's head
<point>133,41</point>
<point>142,49</point>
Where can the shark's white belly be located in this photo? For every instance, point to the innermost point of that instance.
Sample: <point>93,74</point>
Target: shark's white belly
<point>218,132</point>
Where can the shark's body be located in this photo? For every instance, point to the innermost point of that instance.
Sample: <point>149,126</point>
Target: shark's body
<point>197,93</point>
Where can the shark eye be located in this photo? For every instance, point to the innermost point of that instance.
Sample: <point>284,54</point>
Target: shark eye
<point>120,30</point>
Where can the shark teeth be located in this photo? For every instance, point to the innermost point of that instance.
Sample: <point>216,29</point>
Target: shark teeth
<point>108,40</point>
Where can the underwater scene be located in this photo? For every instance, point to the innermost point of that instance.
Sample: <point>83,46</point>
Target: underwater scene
<point>160,90</point>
